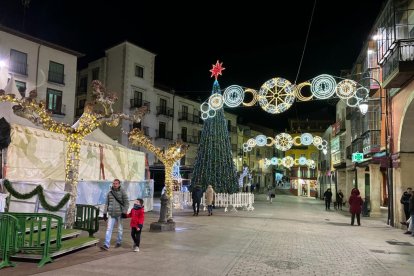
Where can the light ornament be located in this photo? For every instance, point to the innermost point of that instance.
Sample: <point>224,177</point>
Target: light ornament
<point>217,69</point>
<point>233,96</point>
<point>254,97</point>
<point>270,141</point>
<point>283,141</point>
<point>251,142</point>
<point>363,106</point>
<point>362,93</point>
<point>216,101</point>
<point>297,141</point>
<point>302,161</point>
<point>169,157</point>
<point>211,113</point>
<point>261,140</point>
<point>274,161</point>
<point>323,86</point>
<point>306,139</point>
<point>276,95</point>
<point>298,92</point>
<point>317,140</point>
<point>346,89</point>
<point>288,161</point>
<point>352,102</point>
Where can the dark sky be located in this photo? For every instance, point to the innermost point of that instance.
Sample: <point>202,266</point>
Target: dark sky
<point>255,41</point>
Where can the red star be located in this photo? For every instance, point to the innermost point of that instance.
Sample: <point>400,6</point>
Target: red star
<point>216,70</point>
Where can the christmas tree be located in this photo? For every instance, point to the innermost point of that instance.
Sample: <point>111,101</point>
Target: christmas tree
<point>214,163</point>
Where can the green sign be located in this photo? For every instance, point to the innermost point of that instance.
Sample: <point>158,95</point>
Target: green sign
<point>357,157</point>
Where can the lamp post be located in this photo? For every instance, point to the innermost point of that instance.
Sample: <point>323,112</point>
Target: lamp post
<point>363,107</point>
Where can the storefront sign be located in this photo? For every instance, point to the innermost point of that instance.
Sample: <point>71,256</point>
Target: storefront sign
<point>357,157</point>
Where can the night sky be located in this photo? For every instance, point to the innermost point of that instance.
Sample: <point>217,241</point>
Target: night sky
<point>255,41</point>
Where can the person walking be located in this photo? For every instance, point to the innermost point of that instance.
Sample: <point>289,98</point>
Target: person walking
<point>411,211</point>
<point>328,198</point>
<point>339,200</point>
<point>355,206</point>
<point>196,195</point>
<point>270,193</point>
<point>405,201</point>
<point>137,222</point>
<point>210,199</point>
<point>117,208</point>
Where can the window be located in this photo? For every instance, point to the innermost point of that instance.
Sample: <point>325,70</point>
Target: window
<point>95,73</point>
<point>136,125</point>
<point>184,134</point>
<point>18,62</point>
<point>137,101</point>
<point>54,100</point>
<point>184,114</point>
<point>228,125</point>
<point>163,106</point>
<point>161,130</point>
<point>56,72</point>
<point>83,84</point>
<point>139,71</point>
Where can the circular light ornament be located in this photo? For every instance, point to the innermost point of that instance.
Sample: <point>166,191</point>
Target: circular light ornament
<point>362,93</point>
<point>288,161</point>
<point>310,163</point>
<point>254,97</point>
<point>302,161</point>
<point>276,95</point>
<point>216,101</point>
<point>317,140</point>
<point>323,86</point>
<point>283,141</point>
<point>211,113</point>
<point>204,115</point>
<point>353,101</point>
<point>273,161</point>
<point>346,89</point>
<point>251,142</point>
<point>296,141</point>
<point>261,140</point>
<point>298,92</point>
<point>306,139</point>
<point>233,96</point>
<point>205,107</point>
<point>268,162</point>
<point>270,141</point>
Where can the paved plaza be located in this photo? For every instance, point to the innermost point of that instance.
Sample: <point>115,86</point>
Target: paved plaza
<point>291,236</point>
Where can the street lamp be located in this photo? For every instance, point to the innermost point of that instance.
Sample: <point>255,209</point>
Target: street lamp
<point>363,106</point>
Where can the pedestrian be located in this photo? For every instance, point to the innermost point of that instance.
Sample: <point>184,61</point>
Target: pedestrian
<point>196,195</point>
<point>328,198</point>
<point>355,206</point>
<point>117,208</point>
<point>339,199</point>
<point>405,200</point>
<point>270,193</point>
<point>137,222</point>
<point>210,199</point>
<point>410,221</point>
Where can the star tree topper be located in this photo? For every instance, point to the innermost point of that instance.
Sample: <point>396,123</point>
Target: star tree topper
<point>216,70</point>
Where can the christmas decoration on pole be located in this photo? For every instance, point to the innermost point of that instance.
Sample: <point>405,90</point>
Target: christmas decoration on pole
<point>214,162</point>
<point>172,154</point>
<point>37,113</point>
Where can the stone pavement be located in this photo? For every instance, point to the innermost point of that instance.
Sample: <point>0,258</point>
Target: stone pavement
<point>291,236</point>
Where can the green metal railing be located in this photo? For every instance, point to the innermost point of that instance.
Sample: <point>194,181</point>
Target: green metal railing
<point>87,218</point>
<point>9,237</point>
<point>36,241</point>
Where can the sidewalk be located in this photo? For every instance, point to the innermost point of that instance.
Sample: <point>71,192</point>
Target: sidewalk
<point>291,236</point>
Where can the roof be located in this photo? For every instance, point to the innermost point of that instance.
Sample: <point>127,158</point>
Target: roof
<point>129,42</point>
<point>40,41</point>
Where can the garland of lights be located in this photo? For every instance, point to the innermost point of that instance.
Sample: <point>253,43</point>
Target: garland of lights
<point>37,191</point>
<point>169,157</point>
<point>284,142</point>
<point>278,94</point>
<point>289,162</point>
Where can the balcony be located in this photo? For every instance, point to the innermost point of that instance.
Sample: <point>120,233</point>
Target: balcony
<point>163,134</point>
<point>357,145</point>
<point>371,142</point>
<point>18,67</point>
<point>136,103</point>
<point>165,111</point>
<point>338,127</point>
<point>185,116</point>
<point>56,77</point>
<point>398,68</point>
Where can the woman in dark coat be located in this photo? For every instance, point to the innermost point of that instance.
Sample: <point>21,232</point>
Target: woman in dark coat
<point>355,206</point>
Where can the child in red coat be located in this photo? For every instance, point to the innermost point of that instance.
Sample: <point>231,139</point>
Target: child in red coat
<point>137,221</point>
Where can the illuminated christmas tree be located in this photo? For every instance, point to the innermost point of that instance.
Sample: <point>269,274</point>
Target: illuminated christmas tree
<point>214,163</point>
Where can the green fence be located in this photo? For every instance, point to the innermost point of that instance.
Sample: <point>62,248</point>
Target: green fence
<point>9,238</point>
<point>87,218</point>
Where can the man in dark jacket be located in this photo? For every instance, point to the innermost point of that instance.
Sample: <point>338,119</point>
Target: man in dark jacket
<point>117,205</point>
<point>196,195</point>
<point>328,198</point>
<point>405,200</point>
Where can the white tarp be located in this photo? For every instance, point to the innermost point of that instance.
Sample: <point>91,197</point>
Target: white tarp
<point>38,154</point>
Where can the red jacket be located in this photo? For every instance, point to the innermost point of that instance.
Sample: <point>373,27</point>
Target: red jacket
<point>355,202</point>
<point>137,217</point>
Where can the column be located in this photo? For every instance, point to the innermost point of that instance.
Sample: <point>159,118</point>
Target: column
<point>375,189</point>
<point>361,181</point>
<point>350,175</point>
